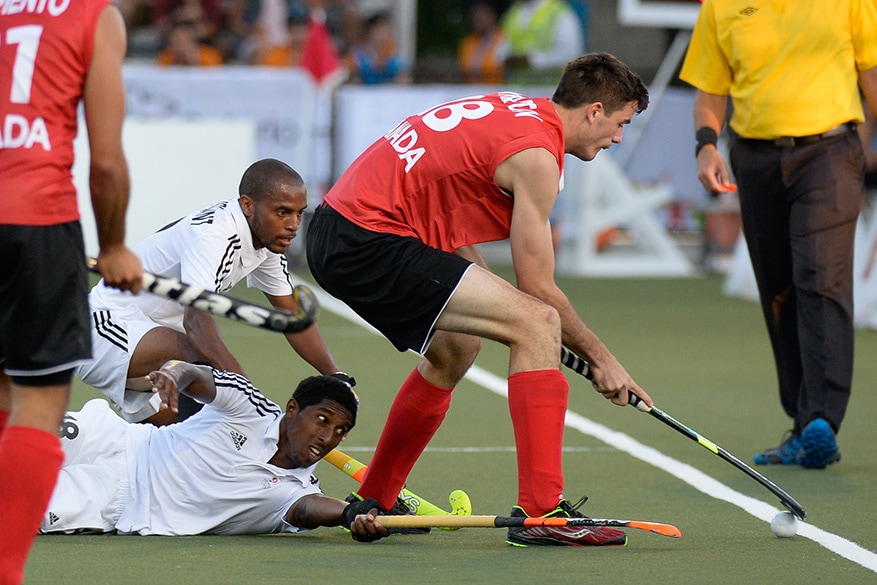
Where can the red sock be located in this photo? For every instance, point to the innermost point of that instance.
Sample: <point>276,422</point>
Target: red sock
<point>537,404</point>
<point>416,414</point>
<point>30,460</point>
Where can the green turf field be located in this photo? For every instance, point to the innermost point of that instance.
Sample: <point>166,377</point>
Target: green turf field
<point>705,360</point>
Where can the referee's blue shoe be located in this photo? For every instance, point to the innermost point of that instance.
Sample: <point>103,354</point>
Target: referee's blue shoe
<point>818,445</point>
<point>785,454</point>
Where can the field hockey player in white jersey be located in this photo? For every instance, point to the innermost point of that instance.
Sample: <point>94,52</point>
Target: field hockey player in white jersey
<point>214,248</point>
<point>247,464</point>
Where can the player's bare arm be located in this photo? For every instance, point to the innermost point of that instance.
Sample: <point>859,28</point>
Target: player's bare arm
<point>315,510</point>
<point>709,112</point>
<point>204,334</point>
<point>104,101</point>
<point>309,344</point>
<point>533,176</point>
<point>176,376</point>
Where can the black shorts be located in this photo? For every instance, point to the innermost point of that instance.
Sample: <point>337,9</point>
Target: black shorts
<point>44,327</point>
<point>398,284</point>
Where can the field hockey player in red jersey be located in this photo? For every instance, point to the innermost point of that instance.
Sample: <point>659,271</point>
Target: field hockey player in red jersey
<point>52,56</point>
<point>395,240</point>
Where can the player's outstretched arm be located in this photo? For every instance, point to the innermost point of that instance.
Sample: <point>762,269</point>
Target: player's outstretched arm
<point>315,510</point>
<point>176,376</point>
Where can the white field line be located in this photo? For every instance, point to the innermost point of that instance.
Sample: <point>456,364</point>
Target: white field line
<point>495,449</point>
<point>693,477</point>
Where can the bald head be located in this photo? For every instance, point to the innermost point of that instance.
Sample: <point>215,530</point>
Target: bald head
<point>268,176</point>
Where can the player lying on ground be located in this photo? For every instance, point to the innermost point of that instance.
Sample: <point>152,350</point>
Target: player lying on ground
<point>214,248</point>
<point>247,465</point>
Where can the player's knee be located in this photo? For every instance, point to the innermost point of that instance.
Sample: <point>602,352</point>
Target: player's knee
<point>466,351</point>
<point>543,323</point>
<point>455,352</point>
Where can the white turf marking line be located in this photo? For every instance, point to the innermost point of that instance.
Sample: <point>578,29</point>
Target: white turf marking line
<point>349,449</point>
<point>693,477</point>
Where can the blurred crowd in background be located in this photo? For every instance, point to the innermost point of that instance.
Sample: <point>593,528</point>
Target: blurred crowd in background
<point>322,35</point>
<point>357,41</point>
<point>521,41</point>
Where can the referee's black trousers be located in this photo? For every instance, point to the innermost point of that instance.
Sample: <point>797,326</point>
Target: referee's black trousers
<point>799,207</point>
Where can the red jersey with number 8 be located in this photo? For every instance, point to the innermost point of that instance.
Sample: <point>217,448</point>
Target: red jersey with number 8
<point>45,53</point>
<point>431,177</point>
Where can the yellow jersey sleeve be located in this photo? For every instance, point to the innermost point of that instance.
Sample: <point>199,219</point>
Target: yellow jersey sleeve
<point>791,68</point>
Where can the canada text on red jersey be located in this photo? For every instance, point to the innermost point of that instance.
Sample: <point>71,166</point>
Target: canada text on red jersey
<point>432,176</point>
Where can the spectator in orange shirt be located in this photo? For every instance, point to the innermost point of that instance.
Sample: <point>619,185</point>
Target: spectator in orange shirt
<point>482,53</point>
<point>183,48</point>
<point>309,45</point>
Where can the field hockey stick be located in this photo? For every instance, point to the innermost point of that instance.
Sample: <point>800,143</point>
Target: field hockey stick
<point>459,500</point>
<point>514,522</point>
<point>232,308</point>
<point>581,366</point>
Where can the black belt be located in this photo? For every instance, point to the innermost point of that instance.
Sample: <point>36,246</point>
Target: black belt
<point>784,141</point>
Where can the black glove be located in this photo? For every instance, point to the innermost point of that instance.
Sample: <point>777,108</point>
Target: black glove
<point>355,509</point>
<point>349,380</point>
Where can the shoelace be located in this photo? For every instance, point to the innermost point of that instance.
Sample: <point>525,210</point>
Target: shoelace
<point>789,434</point>
<point>572,509</point>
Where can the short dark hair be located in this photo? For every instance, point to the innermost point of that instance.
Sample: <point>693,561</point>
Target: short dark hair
<point>600,77</point>
<point>315,389</point>
<point>264,176</point>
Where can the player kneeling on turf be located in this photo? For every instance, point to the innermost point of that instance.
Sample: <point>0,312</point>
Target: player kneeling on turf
<point>242,465</point>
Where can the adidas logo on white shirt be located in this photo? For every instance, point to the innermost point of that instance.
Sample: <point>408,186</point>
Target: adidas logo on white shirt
<point>238,439</point>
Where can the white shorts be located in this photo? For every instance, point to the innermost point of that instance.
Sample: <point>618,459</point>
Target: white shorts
<point>92,486</point>
<point>114,337</point>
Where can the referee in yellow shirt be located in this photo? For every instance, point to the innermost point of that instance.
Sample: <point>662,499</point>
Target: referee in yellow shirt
<point>793,71</point>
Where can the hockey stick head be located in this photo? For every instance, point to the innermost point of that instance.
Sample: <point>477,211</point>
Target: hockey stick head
<point>460,503</point>
<point>794,507</point>
<point>309,306</point>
